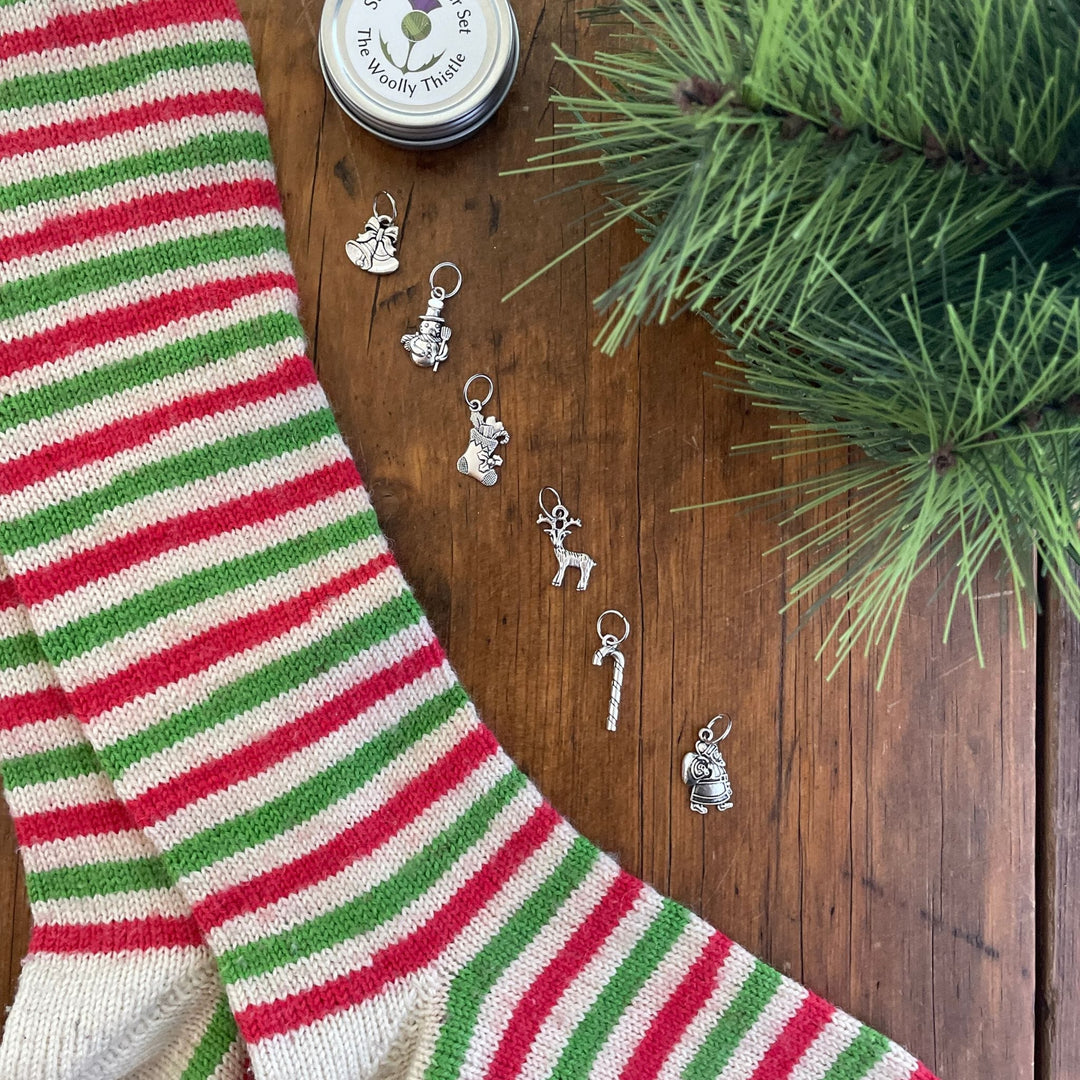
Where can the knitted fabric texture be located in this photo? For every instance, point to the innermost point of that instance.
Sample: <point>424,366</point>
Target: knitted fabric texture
<point>117,981</point>
<point>384,893</point>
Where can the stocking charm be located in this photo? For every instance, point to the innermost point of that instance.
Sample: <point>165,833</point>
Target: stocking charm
<point>480,461</point>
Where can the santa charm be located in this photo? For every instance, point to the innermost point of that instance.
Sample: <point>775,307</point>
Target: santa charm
<point>480,460</point>
<point>427,345</point>
<point>705,772</point>
<point>374,250</point>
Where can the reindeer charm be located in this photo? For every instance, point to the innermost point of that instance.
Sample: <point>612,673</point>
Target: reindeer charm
<point>559,523</point>
<point>480,460</point>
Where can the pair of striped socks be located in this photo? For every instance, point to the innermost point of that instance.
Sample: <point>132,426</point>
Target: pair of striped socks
<point>264,831</point>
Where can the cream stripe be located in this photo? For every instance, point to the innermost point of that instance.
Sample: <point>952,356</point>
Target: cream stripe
<point>736,969</point>
<point>61,794</point>
<point>161,393</point>
<point>371,870</point>
<point>233,732</point>
<point>86,850</point>
<point>82,57</point>
<point>182,626</point>
<point>152,286</point>
<point>896,1064</point>
<point>112,353</point>
<point>575,1002</point>
<point>638,1016</point>
<point>138,904</point>
<point>782,1006</point>
<point>837,1035</point>
<point>357,952</point>
<point>26,679</point>
<point>131,717</point>
<point>185,225</point>
<point>14,622</point>
<point>31,216</point>
<point>498,1007</point>
<point>280,850</point>
<point>294,770</point>
<point>33,13</point>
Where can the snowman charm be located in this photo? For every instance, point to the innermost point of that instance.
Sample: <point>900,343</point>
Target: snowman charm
<point>480,461</point>
<point>427,345</point>
<point>705,772</point>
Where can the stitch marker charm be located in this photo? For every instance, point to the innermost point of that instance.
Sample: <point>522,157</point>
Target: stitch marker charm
<point>559,523</point>
<point>427,345</point>
<point>704,771</point>
<point>374,250</point>
<point>609,646</point>
<point>480,460</point>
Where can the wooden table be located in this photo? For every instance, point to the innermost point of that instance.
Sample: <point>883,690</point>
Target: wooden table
<point>913,853</point>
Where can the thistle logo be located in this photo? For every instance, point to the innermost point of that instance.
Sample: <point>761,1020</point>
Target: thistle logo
<point>415,27</point>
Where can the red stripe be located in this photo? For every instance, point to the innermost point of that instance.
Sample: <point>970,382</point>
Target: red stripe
<point>923,1073</point>
<point>533,1009</point>
<point>32,707</point>
<point>790,1045</point>
<point>356,842</point>
<point>682,1005</point>
<point>145,543</point>
<point>9,595</point>
<point>140,213</point>
<point>99,444</point>
<point>133,118</point>
<point>406,956</point>
<point>131,935</point>
<point>249,760</point>
<point>92,27</point>
<point>86,819</point>
<point>115,324</point>
<point>218,643</point>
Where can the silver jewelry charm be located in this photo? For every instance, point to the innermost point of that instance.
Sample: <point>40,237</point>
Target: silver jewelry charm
<point>374,249</point>
<point>559,523</point>
<point>705,772</point>
<point>480,460</point>
<point>427,345</point>
<point>609,646</point>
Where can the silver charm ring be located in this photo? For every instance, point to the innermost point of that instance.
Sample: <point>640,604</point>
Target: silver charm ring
<point>475,403</point>
<point>611,639</point>
<point>558,502</point>
<point>438,290</point>
<point>386,218</point>
<point>706,734</point>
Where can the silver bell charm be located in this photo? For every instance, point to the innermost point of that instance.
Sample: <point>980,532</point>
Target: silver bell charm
<point>374,250</point>
<point>705,772</point>
<point>427,345</point>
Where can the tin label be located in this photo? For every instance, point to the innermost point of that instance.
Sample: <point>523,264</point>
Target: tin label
<point>417,52</point>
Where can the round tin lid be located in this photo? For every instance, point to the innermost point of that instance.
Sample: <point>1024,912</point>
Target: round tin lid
<point>419,72</point>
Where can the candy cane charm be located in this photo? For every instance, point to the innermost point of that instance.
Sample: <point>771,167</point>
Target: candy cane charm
<point>609,646</point>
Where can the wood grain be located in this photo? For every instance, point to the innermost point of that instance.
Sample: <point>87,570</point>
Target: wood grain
<point>882,846</point>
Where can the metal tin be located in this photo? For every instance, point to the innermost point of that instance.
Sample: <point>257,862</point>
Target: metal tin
<point>419,73</point>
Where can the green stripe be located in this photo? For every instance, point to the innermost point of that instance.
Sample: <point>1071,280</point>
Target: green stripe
<point>861,1055</point>
<point>184,592</point>
<point>186,354</point>
<point>76,83</point>
<point>211,149</point>
<point>60,519</point>
<point>313,795</point>
<point>590,1035</point>
<point>94,275</point>
<point>273,680</point>
<point>380,904</point>
<point>97,879</point>
<point>60,763</point>
<point>735,1021</point>
<point>18,651</point>
<point>216,1042</point>
<point>472,984</point>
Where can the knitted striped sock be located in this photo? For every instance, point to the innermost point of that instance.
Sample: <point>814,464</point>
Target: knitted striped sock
<point>117,982</point>
<point>385,893</point>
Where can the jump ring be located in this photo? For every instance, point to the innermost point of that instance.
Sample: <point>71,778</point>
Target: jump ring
<point>393,205</point>
<point>558,500</point>
<point>457,288</point>
<point>476,403</point>
<point>707,732</point>
<point>615,640</point>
